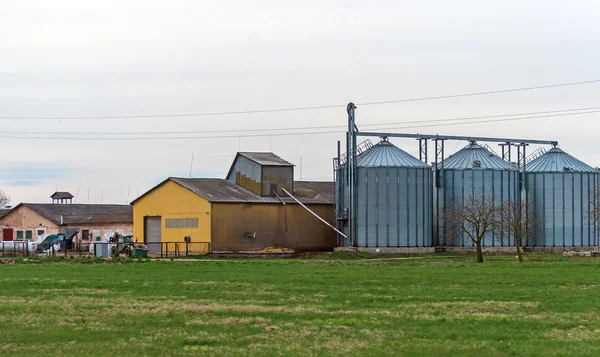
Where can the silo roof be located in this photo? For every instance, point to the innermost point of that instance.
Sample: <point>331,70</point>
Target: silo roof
<point>556,160</point>
<point>465,158</point>
<point>386,154</point>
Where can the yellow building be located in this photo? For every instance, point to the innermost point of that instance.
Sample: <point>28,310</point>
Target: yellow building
<point>247,211</point>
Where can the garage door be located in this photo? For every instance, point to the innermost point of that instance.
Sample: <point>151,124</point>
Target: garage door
<point>152,233</point>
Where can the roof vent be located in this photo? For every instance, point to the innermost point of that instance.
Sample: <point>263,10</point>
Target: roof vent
<point>476,163</point>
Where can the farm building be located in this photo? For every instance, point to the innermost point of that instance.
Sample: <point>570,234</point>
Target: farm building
<point>473,170</point>
<point>247,211</point>
<point>385,198</point>
<point>393,199</point>
<point>562,193</point>
<point>29,220</point>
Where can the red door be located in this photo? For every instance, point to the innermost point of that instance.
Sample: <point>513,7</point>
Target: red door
<point>7,234</point>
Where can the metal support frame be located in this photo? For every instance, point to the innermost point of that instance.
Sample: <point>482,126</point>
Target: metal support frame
<point>454,137</point>
<point>506,150</point>
<point>521,162</point>
<point>521,156</point>
<point>423,149</point>
<point>439,162</point>
<point>351,165</point>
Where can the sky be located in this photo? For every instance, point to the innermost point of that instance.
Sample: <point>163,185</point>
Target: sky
<point>68,58</point>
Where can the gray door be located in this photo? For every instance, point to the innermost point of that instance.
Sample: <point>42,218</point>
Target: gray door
<point>152,233</point>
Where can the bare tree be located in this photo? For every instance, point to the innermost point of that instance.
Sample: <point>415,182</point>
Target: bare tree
<point>519,223</point>
<point>4,198</point>
<point>593,214</point>
<point>474,216</point>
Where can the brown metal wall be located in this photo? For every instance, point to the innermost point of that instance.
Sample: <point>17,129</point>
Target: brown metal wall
<point>279,177</point>
<point>232,221</point>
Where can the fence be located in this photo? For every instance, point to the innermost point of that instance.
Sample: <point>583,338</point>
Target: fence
<point>15,248</point>
<point>85,249</point>
<point>177,249</point>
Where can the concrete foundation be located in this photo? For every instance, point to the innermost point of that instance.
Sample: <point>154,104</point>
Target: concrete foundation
<point>560,249</point>
<point>451,249</point>
<point>514,249</point>
<point>391,250</point>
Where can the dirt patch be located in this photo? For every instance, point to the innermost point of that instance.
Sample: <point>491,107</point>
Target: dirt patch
<point>578,334</point>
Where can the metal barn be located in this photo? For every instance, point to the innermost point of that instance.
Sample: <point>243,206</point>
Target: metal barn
<point>561,192</point>
<point>393,198</point>
<point>474,170</point>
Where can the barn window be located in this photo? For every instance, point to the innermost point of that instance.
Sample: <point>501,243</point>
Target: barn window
<point>181,223</point>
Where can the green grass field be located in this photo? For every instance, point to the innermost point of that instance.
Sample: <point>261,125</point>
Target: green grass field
<point>328,305</point>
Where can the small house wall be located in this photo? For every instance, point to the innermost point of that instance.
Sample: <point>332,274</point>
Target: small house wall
<point>23,219</point>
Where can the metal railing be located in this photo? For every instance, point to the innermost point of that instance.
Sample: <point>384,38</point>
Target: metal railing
<point>157,249</point>
<point>99,249</point>
<point>14,248</point>
<point>177,249</point>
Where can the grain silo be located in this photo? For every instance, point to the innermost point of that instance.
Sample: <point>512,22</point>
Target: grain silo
<point>473,170</point>
<point>561,192</point>
<point>393,199</point>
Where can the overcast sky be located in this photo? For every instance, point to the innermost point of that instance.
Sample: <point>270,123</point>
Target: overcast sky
<point>65,58</point>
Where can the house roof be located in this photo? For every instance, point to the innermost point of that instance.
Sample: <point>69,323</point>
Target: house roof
<point>61,195</point>
<point>265,158</point>
<point>3,212</point>
<point>65,214</point>
<point>225,191</point>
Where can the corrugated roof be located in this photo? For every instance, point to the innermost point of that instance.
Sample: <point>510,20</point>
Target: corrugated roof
<point>556,160</point>
<point>464,159</point>
<point>225,191</point>
<point>265,158</point>
<point>81,213</point>
<point>386,154</point>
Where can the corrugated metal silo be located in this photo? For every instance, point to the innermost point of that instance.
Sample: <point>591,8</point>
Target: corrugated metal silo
<point>394,198</point>
<point>473,170</point>
<point>560,189</point>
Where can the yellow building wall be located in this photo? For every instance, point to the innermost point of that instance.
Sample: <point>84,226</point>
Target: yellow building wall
<point>173,201</point>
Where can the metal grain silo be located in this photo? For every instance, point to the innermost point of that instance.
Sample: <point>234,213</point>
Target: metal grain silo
<point>394,198</point>
<point>474,170</point>
<point>560,190</point>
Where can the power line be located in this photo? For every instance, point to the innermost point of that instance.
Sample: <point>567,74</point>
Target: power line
<point>237,136</point>
<point>482,93</point>
<point>492,121</point>
<point>302,128</point>
<point>258,111</point>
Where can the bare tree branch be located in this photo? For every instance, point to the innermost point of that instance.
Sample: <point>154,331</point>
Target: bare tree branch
<point>474,216</point>
<point>518,223</point>
<point>4,198</point>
